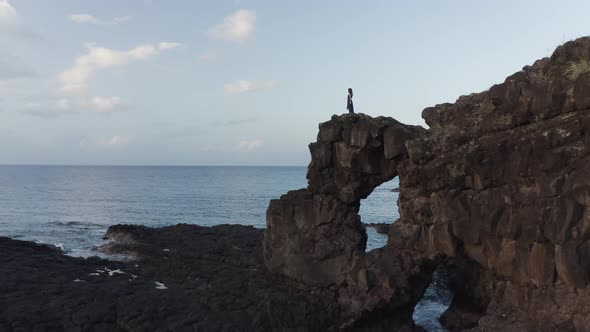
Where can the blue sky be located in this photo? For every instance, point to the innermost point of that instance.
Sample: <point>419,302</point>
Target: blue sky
<point>154,82</point>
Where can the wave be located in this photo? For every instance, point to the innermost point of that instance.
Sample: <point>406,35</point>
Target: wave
<point>76,223</point>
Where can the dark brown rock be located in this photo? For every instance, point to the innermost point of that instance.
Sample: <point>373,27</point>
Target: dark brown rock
<point>312,238</point>
<point>214,280</point>
<point>501,180</point>
<point>381,228</point>
<point>541,264</point>
<point>315,236</point>
<point>568,265</point>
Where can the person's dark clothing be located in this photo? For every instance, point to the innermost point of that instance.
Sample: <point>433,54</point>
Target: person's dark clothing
<point>349,104</point>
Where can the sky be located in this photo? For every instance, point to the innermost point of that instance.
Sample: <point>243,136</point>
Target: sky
<point>245,82</point>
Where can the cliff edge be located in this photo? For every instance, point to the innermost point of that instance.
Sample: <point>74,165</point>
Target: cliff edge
<point>498,189</point>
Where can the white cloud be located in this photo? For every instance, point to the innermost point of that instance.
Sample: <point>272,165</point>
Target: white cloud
<point>47,109</point>
<point>119,140</point>
<point>105,104</point>
<point>87,18</point>
<point>249,145</point>
<point>62,104</point>
<point>237,27</point>
<point>54,108</point>
<point>115,141</point>
<point>7,12</point>
<point>242,86</point>
<point>233,122</point>
<point>167,45</point>
<point>12,25</point>
<point>207,56</point>
<point>75,78</point>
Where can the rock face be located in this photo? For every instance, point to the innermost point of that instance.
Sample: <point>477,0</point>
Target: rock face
<point>499,185</point>
<point>315,235</point>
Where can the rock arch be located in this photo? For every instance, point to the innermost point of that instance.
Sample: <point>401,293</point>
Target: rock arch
<point>314,235</point>
<point>500,182</point>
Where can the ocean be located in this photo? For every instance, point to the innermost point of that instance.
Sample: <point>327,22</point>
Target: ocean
<point>72,206</point>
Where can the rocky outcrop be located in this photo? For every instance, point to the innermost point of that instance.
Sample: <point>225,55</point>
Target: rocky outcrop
<point>187,278</point>
<point>499,184</point>
<point>315,235</point>
<point>508,181</point>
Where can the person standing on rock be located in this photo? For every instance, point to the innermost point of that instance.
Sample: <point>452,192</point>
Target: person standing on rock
<point>349,104</point>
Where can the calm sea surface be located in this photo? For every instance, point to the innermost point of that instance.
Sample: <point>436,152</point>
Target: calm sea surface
<point>72,206</point>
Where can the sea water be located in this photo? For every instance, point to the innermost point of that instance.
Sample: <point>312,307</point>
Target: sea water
<point>72,206</point>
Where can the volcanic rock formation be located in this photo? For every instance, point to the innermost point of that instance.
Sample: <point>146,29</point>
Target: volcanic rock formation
<point>185,278</point>
<point>498,189</point>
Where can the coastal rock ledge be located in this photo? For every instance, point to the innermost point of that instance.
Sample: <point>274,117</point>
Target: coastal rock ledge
<point>497,190</point>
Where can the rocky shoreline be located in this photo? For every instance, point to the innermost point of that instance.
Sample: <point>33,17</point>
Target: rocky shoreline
<point>181,278</point>
<point>496,193</point>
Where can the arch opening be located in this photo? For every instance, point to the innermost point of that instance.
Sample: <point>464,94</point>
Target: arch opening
<point>379,211</point>
<point>436,300</point>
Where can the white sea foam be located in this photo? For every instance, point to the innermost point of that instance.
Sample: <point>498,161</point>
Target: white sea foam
<point>110,272</point>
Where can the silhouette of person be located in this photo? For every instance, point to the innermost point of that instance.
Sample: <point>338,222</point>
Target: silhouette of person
<point>349,104</point>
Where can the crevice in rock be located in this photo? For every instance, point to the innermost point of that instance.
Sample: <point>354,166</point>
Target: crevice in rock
<point>469,302</point>
<point>396,315</point>
<point>435,301</point>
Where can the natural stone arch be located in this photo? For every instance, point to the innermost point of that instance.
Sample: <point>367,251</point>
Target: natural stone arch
<point>315,235</point>
<point>499,182</point>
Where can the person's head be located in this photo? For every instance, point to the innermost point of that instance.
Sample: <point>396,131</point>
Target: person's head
<point>350,91</point>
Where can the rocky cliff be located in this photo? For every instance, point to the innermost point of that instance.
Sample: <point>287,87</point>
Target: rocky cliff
<point>498,189</point>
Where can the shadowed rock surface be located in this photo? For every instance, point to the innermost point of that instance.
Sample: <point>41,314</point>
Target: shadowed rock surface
<point>381,228</point>
<point>498,187</point>
<point>212,279</point>
<point>315,234</point>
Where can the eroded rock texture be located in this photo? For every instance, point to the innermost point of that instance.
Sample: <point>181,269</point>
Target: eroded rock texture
<point>315,235</point>
<point>499,184</point>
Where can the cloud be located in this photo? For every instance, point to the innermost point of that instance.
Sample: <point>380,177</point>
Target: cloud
<point>242,86</point>
<point>207,56</point>
<point>119,140</point>
<point>12,67</point>
<point>249,145</point>
<point>48,110</point>
<point>112,142</point>
<point>237,27</point>
<point>87,18</point>
<point>62,104</point>
<point>12,25</point>
<point>230,123</point>
<point>168,45</point>
<point>75,78</point>
<point>105,104</point>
